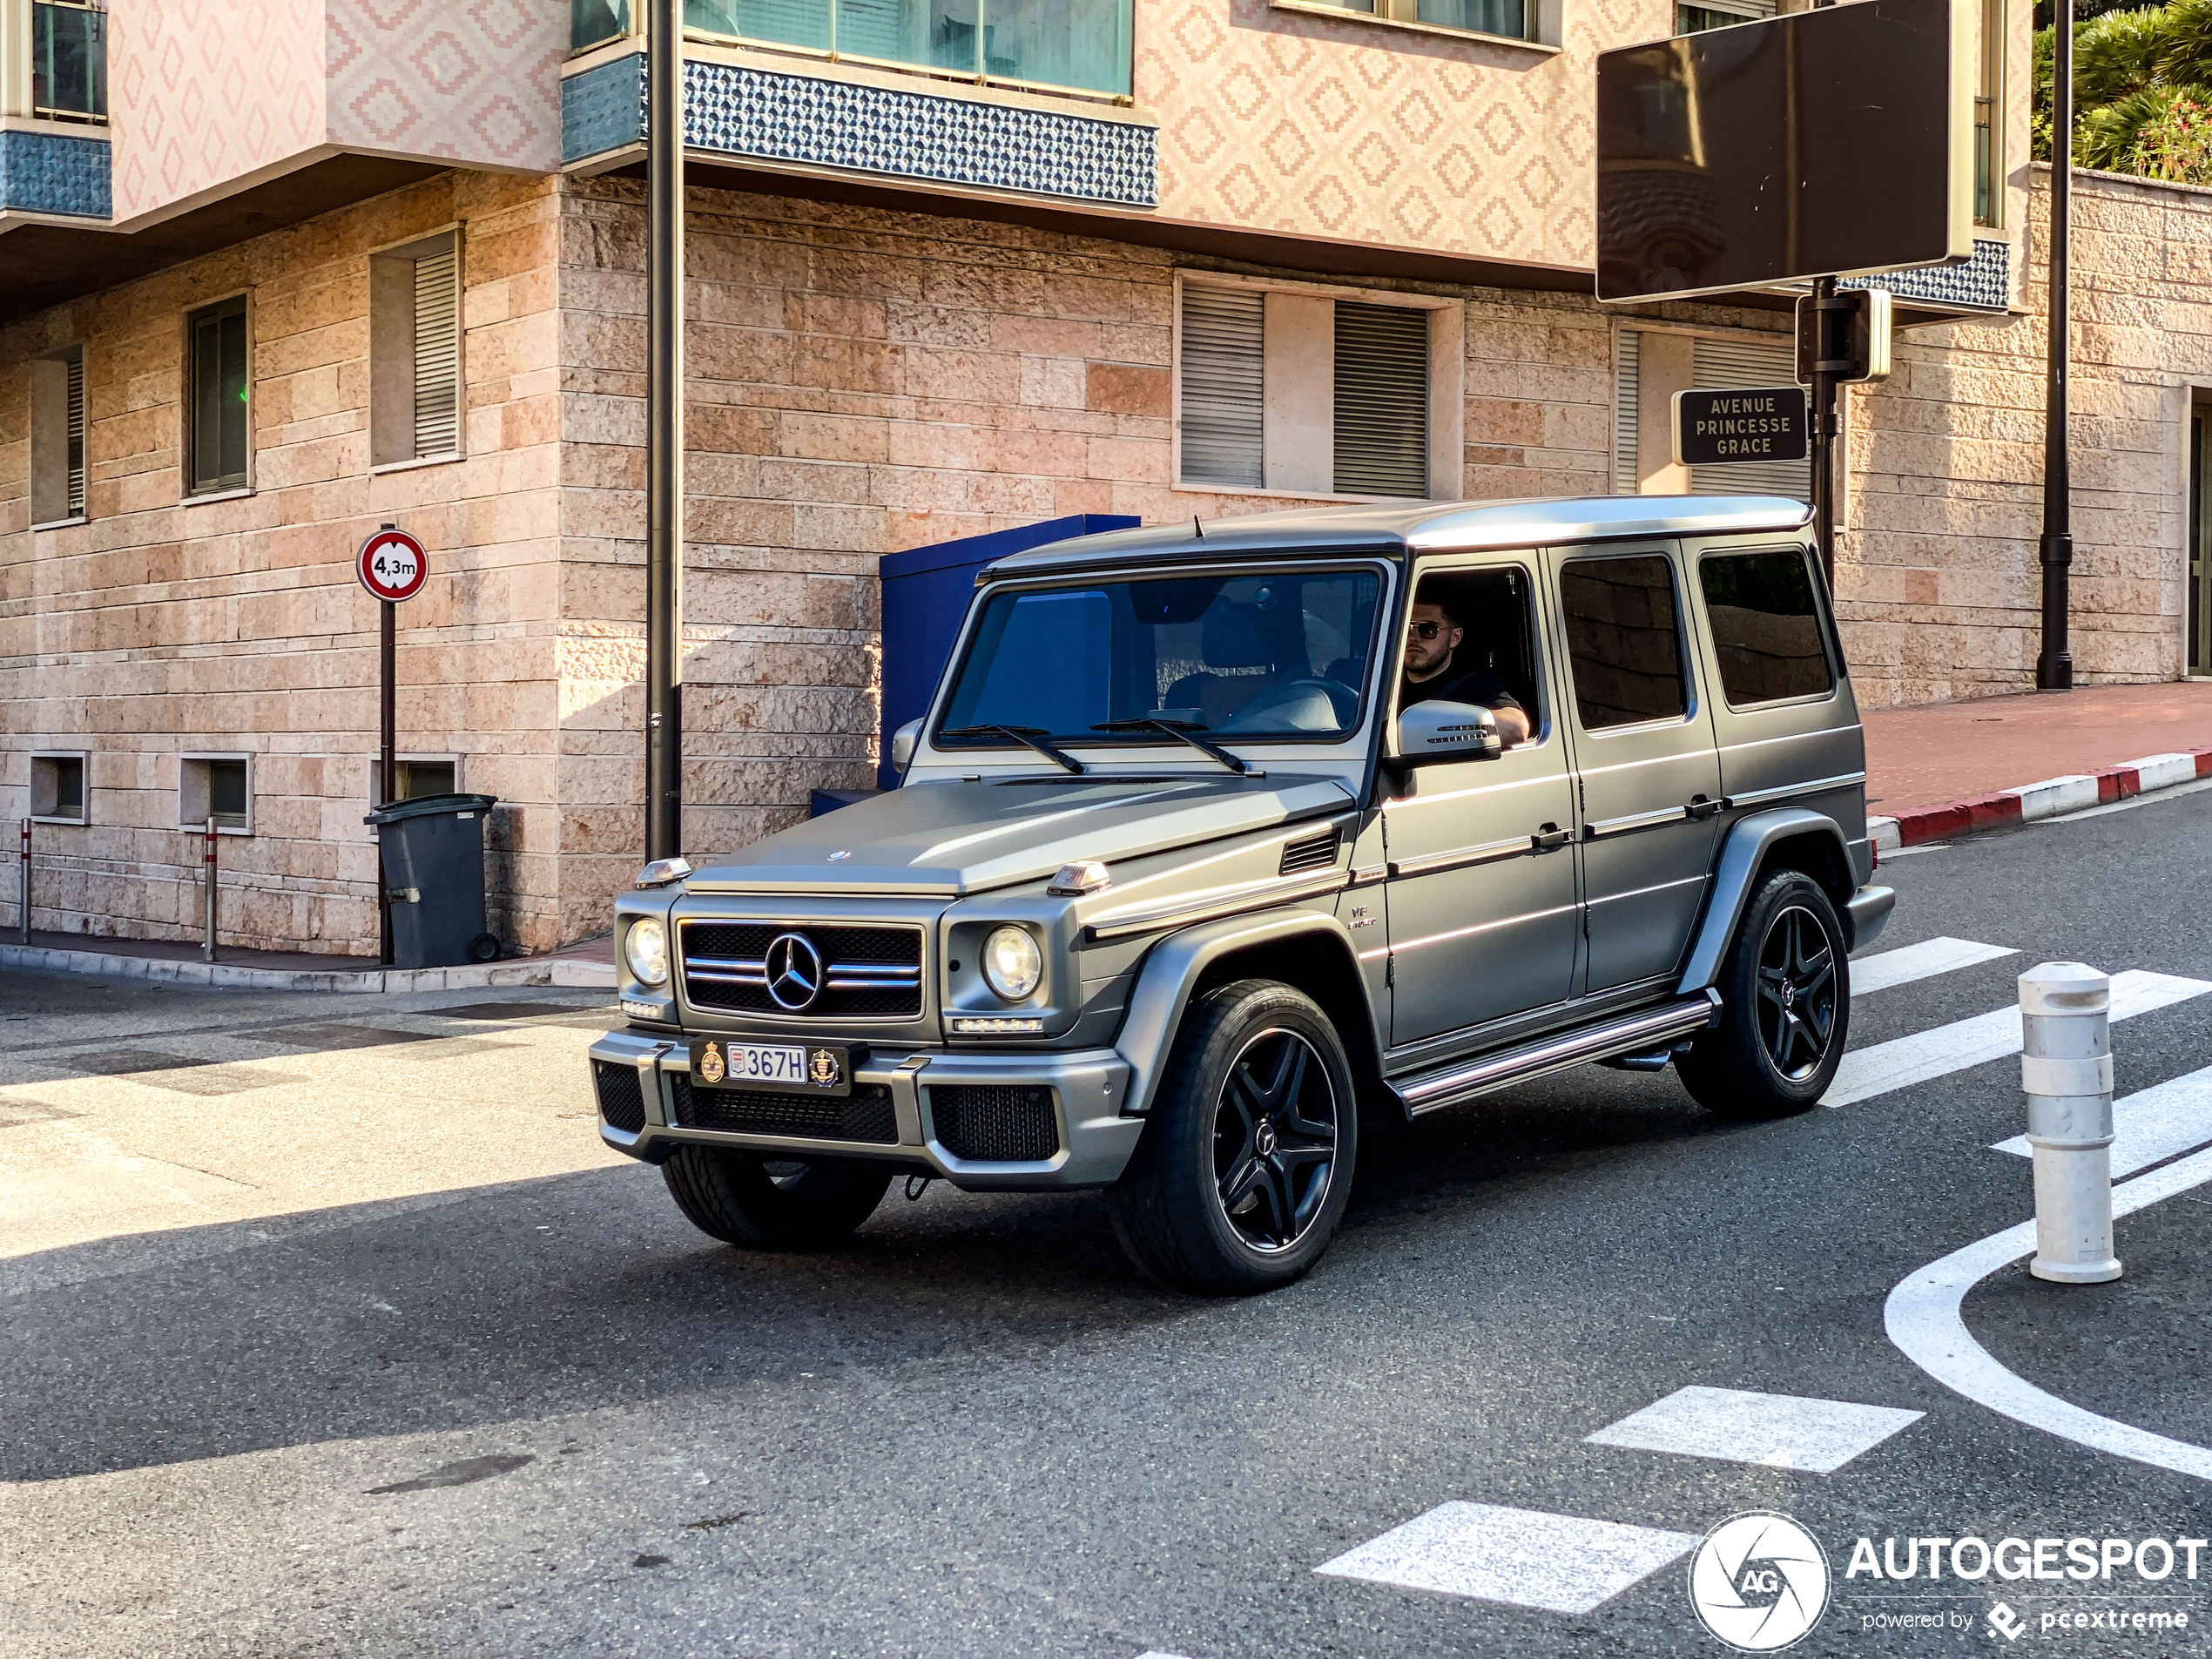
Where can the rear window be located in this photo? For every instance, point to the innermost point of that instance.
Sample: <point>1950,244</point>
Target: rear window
<point>1766,626</point>
<point>1623,641</point>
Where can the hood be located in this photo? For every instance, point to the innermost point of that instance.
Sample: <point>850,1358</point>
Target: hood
<point>956,837</point>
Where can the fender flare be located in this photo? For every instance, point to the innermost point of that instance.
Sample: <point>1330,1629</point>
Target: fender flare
<point>1173,967</point>
<point>1749,841</point>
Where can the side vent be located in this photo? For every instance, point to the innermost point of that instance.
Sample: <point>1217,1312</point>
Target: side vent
<point>1314,852</point>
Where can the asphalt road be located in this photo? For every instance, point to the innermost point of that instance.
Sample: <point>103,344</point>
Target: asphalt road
<point>328,1328</point>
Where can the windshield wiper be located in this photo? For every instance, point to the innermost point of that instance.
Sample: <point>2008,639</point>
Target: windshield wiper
<point>1183,732</point>
<point>1030,736</point>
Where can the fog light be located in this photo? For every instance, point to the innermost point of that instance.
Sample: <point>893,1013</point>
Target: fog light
<point>645,947</point>
<point>996,1028</point>
<point>1011,964</point>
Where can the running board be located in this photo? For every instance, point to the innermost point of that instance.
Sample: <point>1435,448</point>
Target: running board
<point>1465,1079</point>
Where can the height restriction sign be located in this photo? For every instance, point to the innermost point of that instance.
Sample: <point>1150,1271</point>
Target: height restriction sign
<point>392,565</point>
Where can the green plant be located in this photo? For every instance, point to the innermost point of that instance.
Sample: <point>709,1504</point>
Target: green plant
<point>2142,86</point>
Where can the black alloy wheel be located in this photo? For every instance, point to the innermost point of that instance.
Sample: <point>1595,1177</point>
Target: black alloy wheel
<point>1275,1140</point>
<point>1246,1160</point>
<point>1785,1007</point>
<point>1796,1007</point>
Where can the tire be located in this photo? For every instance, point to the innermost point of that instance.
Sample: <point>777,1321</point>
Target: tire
<point>1246,1161</point>
<point>759,1202</point>
<point>1785,1010</point>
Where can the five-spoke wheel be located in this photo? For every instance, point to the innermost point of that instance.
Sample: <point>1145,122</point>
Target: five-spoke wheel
<point>1275,1139</point>
<point>1785,1006</point>
<point>1796,1009</point>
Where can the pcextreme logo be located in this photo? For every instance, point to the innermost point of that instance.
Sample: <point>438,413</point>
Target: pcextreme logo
<point>1759,1582</point>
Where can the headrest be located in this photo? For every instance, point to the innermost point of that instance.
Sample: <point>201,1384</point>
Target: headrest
<point>1232,638</point>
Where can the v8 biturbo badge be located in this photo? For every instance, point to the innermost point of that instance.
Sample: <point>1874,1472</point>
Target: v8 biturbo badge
<point>822,1066</point>
<point>711,1069</point>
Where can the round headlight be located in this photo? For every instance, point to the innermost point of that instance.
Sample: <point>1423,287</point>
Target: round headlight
<point>1012,965</point>
<point>646,948</point>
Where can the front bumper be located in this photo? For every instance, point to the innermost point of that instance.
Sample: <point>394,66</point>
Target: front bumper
<point>1088,1088</point>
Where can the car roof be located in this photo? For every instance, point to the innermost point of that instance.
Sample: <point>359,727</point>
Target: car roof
<point>1396,528</point>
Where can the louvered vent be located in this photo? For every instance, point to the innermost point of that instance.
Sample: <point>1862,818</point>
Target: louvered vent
<point>1382,401</point>
<point>1627,389</point>
<point>76,434</point>
<point>1223,387</point>
<point>1313,852</point>
<point>1718,365</point>
<point>437,354</point>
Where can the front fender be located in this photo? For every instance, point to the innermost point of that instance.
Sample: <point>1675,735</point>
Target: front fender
<point>1741,855</point>
<point>1173,969</point>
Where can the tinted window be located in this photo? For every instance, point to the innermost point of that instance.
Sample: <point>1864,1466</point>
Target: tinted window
<point>1766,626</point>
<point>1263,655</point>
<point>1492,609</point>
<point>1623,640</point>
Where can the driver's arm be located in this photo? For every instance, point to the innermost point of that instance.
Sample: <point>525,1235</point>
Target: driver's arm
<point>1513,724</point>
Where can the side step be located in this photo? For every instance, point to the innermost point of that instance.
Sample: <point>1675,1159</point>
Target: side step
<point>1460,1080</point>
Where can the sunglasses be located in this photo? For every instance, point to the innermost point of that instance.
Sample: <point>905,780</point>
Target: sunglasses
<point>1424,629</point>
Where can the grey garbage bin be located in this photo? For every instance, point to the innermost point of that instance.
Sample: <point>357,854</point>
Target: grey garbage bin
<point>432,848</point>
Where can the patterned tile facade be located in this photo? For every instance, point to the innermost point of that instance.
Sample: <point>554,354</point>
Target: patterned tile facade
<point>53,172</point>
<point>603,108</point>
<point>1983,283</point>
<point>473,81</point>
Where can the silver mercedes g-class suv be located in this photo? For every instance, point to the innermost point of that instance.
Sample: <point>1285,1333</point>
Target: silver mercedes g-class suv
<point>1216,837</point>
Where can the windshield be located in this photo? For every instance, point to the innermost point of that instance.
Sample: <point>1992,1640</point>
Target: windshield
<point>1281,656</point>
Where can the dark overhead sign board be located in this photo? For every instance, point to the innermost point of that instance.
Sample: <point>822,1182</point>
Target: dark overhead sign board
<point>1745,423</point>
<point>1837,142</point>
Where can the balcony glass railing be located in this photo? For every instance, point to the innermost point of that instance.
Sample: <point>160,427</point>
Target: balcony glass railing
<point>68,60</point>
<point>593,23</point>
<point>1080,45</point>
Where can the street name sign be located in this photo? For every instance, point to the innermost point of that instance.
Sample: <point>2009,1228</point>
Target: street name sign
<point>1744,423</point>
<point>392,566</point>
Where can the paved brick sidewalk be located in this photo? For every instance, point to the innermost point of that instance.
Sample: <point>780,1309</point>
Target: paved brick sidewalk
<point>1948,751</point>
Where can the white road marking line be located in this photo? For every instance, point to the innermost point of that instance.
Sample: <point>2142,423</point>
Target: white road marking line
<point>1922,1318</point>
<point>1520,1557</point>
<point>1923,960</point>
<point>2151,1125</point>
<point>1775,1431</point>
<point>1905,1061</point>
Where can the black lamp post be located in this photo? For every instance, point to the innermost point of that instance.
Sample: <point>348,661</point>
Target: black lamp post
<point>664,432</point>
<point>2054,666</point>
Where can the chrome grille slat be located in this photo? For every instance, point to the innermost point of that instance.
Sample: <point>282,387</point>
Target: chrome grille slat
<point>870,971</point>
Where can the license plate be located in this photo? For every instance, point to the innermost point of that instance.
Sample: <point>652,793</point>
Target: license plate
<point>791,1067</point>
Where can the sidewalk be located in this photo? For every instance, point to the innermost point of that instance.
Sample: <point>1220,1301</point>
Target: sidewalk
<point>590,965</point>
<point>1949,768</point>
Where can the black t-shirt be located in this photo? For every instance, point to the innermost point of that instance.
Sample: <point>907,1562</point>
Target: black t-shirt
<point>1476,685</point>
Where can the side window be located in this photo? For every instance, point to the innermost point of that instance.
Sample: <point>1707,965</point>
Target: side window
<point>1484,647</point>
<point>219,421</point>
<point>1766,626</point>
<point>1623,640</point>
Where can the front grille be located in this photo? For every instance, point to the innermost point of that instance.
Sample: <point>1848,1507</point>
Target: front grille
<point>1314,852</point>
<point>871,973</point>
<point>995,1122</point>
<point>865,1115</point>
<point>621,1097</point>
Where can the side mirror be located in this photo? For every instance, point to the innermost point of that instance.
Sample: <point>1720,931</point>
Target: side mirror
<point>1438,731</point>
<point>903,742</point>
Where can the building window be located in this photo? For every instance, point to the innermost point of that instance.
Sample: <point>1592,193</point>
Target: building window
<point>1989,87</point>
<point>68,60</point>
<point>218,404</point>
<point>415,351</point>
<point>217,786</point>
<point>419,775</point>
<point>1718,14</point>
<point>57,793</point>
<point>1301,392</point>
<point>1075,45</point>
<point>594,23</point>
<point>1514,19</point>
<point>1652,366</point>
<point>57,436</point>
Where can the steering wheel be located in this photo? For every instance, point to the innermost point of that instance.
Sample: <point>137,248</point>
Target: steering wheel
<point>1296,705</point>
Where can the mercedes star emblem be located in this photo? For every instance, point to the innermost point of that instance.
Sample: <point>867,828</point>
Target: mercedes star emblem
<point>794,970</point>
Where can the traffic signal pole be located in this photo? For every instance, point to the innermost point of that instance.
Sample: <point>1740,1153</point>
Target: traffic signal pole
<point>1821,437</point>
<point>2054,664</point>
<point>665,433</point>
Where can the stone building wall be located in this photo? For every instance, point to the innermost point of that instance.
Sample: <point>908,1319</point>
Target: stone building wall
<point>1939,588</point>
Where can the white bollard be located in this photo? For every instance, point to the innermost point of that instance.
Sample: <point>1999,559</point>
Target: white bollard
<point>2066,1068</point>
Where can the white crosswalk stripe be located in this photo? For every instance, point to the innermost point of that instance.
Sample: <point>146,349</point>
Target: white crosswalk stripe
<point>1924,961</point>
<point>1775,1431</point>
<point>2152,1125</point>
<point>1904,1060</point>
<point>1520,1557</point>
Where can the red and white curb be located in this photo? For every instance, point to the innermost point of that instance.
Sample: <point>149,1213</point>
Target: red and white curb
<point>2054,796</point>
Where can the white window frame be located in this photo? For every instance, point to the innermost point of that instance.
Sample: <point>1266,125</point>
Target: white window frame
<point>1548,17</point>
<point>49,448</point>
<point>193,791</point>
<point>391,351</point>
<point>84,759</point>
<point>1447,384</point>
<point>186,495</point>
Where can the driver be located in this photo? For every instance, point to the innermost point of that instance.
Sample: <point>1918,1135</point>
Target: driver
<point>1433,635</point>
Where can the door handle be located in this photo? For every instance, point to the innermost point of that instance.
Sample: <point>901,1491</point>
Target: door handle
<point>1550,839</point>
<point>1702,807</point>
